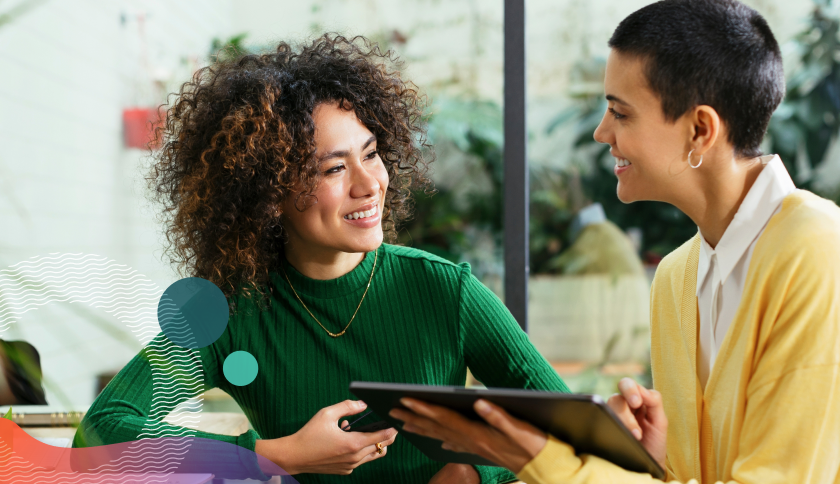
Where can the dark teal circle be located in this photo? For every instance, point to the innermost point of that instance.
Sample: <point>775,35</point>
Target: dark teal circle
<point>193,312</point>
<point>240,368</point>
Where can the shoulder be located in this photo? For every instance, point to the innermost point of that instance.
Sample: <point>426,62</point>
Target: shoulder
<point>671,269</point>
<point>426,274</point>
<point>805,231</point>
<point>411,257</point>
<point>805,215</point>
<point>423,269</point>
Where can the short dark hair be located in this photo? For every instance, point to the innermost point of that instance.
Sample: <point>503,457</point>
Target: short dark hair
<point>718,53</point>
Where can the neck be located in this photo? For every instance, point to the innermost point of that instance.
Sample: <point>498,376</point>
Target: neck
<point>321,264</point>
<point>717,193</point>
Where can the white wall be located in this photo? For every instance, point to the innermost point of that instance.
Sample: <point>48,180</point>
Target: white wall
<point>67,70</point>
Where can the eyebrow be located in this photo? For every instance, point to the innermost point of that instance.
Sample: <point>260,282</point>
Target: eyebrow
<point>610,97</point>
<point>344,153</point>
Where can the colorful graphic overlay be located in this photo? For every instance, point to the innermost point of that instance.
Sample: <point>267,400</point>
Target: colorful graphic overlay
<point>25,460</point>
<point>193,312</point>
<point>240,368</point>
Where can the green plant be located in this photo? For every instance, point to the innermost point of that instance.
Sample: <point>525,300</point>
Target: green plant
<point>8,414</point>
<point>464,211</point>
<point>227,49</point>
<point>555,198</point>
<point>467,206</point>
<point>807,123</point>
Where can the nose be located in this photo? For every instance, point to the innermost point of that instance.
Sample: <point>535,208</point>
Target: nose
<point>602,133</point>
<point>364,183</point>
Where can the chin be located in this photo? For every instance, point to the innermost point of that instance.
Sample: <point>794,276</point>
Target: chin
<point>367,244</point>
<point>624,195</point>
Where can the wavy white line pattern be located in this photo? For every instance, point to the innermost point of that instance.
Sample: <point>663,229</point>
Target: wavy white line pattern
<point>84,278</point>
<point>177,374</point>
<point>175,323</point>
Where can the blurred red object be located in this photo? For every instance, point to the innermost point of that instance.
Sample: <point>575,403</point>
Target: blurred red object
<point>139,127</point>
<point>652,258</point>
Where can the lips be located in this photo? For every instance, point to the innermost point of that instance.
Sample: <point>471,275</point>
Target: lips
<point>363,213</point>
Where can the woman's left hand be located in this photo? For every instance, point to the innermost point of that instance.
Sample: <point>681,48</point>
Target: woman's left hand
<point>456,474</point>
<point>507,441</point>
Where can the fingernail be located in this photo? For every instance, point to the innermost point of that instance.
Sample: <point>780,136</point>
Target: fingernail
<point>446,446</point>
<point>637,433</point>
<point>408,403</point>
<point>635,400</point>
<point>361,404</point>
<point>481,407</point>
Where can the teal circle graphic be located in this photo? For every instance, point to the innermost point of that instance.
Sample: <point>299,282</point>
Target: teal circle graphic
<point>193,312</point>
<point>240,368</point>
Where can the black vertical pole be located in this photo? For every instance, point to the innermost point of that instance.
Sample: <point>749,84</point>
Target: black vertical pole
<point>516,165</point>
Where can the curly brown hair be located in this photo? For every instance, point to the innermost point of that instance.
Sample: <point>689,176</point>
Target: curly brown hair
<point>239,139</point>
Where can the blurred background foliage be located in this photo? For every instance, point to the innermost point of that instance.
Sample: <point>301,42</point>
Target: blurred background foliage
<point>804,128</point>
<point>803,131</point>
<point>461,219</point>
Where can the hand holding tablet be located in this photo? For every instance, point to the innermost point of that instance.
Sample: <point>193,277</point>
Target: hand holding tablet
<point>519,421</point>
<point>510,443</point>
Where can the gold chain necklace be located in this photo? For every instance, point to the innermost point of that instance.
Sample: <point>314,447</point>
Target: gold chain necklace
<point>336,335</point>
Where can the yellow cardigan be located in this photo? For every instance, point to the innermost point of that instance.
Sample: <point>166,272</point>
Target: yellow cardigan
<point>770,412</point>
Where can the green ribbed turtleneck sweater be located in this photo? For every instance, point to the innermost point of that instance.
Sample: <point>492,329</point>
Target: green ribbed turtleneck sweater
<point>424,320</point>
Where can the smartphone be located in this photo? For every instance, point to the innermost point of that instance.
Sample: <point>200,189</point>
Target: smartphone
<point>360,425</point>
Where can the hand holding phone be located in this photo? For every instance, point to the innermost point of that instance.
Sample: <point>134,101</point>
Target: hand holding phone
<point>354,426</point>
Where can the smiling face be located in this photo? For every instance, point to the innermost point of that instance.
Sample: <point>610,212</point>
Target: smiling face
<point>345,214</point>
<point>650,151</point>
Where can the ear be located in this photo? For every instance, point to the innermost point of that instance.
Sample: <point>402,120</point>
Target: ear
<point>706,128</point>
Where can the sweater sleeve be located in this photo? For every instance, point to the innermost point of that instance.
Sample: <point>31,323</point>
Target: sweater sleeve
<point>498,352</point>
<point>123,411</point>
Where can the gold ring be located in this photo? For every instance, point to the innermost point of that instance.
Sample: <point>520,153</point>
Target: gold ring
<point>379,448</point>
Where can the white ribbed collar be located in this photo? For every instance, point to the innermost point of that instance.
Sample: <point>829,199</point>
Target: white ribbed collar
<point>767,193</point>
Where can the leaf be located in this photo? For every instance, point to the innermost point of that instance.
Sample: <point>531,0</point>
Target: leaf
<point>8,414</point>
<point>817,142</point>
<point>564,117</point>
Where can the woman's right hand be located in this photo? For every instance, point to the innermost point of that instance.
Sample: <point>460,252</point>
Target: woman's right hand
<point>642,413</point>
<point>321,447</point>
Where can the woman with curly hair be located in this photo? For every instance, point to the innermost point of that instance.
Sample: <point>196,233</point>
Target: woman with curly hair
<point>281,174</point>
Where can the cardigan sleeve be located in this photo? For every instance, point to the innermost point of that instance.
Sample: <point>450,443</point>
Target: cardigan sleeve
<point>123,411</point>
<point>557,463</point>
<point>498,352</point>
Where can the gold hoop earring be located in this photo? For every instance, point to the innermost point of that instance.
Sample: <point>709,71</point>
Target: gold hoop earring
<point>689,160</point>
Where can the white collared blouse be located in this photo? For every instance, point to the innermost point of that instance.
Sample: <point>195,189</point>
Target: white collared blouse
<point>722,271</point>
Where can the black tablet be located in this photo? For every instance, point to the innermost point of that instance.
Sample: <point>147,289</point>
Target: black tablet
<point>583,421</point>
